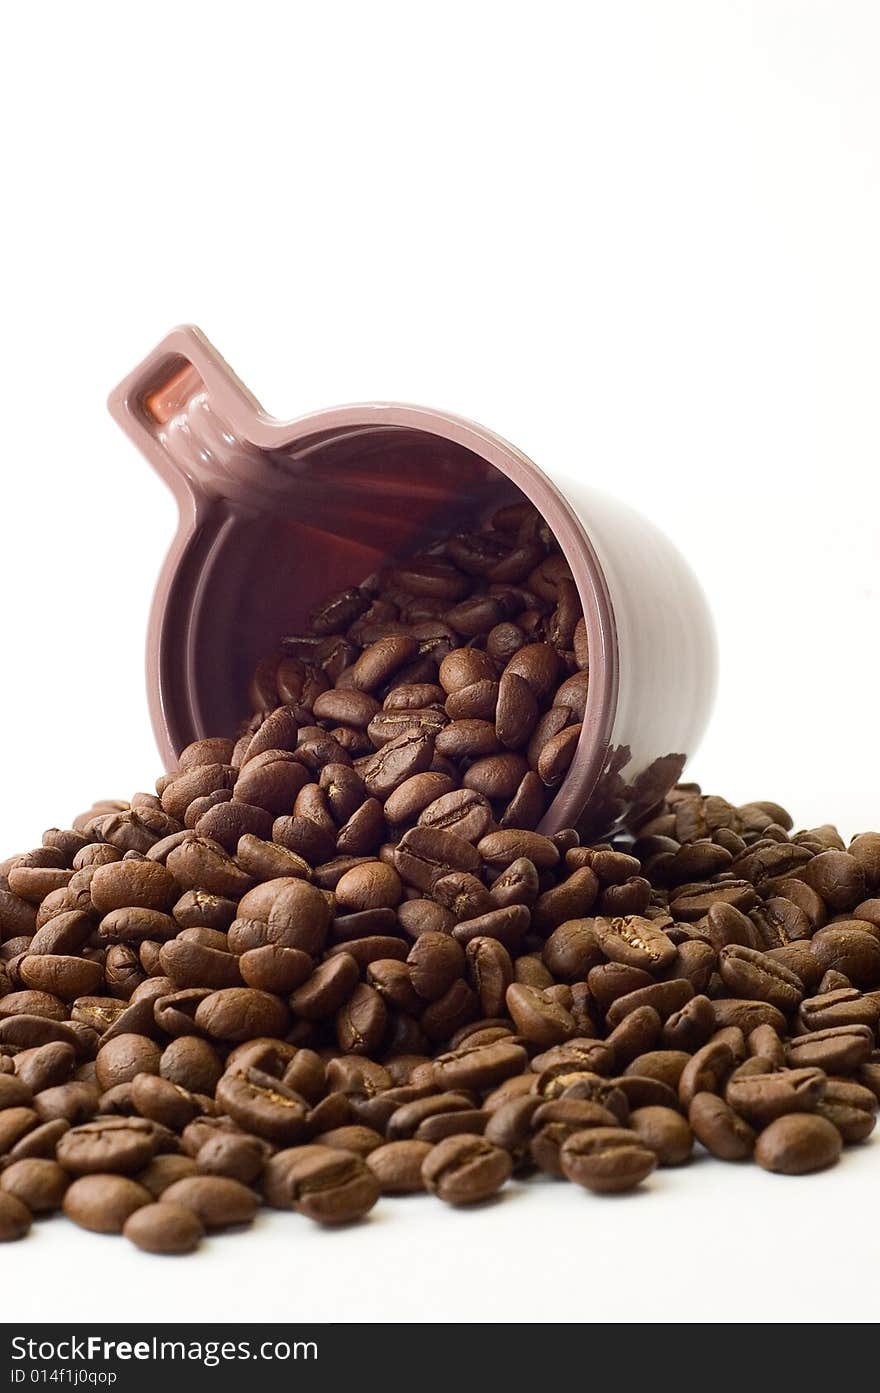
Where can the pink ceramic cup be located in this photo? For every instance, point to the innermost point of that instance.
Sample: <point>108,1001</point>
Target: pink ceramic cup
<point>276,514</point>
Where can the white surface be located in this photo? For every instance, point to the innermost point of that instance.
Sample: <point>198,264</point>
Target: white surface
<point>639,240</point>
<point>708,1242</point>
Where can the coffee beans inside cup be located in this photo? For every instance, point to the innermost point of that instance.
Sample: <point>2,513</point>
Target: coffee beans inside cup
<point>332,958</point>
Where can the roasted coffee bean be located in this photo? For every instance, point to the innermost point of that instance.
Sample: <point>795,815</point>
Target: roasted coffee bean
<point>503,849</point>
<point>748,973</point>
<point>746,1016</point>
<point>328,988</point>
<point>519,884</point>
<point>163,1170</point>
<point>552,1123</point>
<point>850,949</point>
<point>38,1141</point>
<point>844,1006</point>
<point>263,1105</point>
<point>164,1227</point>
<point>425,853</point>
<point>721,1131</point>
<point>416,795</point>
<point>509,1125</point>
<point>215,1200</point>
<point>665,1132</point>
<point>490,972</point>
<point>237,1156</point>
<point>606,1160</point>
<point>665,1065</point>
<point>397,1166</point>
<point>540,1020</point>
<point>466,1169</point>
<point>371,885</point>
<point>481,1068</point>
<point>798,1144</point>
<point>132,884</point>
<point>110,1145</point>
<point>761,1098</point>
<point>838,1050</point>
<point>15,1218</point>
<point>362,1021</point>
<point>240,1013</point>
<point>837,877</point>
<point>572,899</point>
<point>466,813</point>
<point>509,926</point>
<point>327,1185</point>
<point>121,1058</point>
<point>664,997</point>
<point>37,1182</point>
<point>706,1071</point>
<point>634,942</point>
<point>104,1203</point>
<point>76,1102</point>
<point>850,1107</point>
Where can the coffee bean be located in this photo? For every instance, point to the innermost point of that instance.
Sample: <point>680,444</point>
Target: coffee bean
<point>215,1200</point>
<point>104,1203</point>
<point>15,1218</point>
<point>328,988</point>
<point>837,1050</point>
<point>410,799</point>
<point>851,1108</point>
<point>397,1166</point>
<point>408,754</point>
<point>465,1169</point>
<point>497,776</point>
<point>237,1156</point>
<point>798,1144</point>
<point>540,1020</point>
<point>837,877</point>
<point>635,942</point>
<point>263,1105</point>
<point>509,926</point>
<point>361,1022</point>
<point>761,1098</point>
<point>164,1228</point>
<point>503,849</point>
<point>109,1145</point>
<point>75,1102</point>
<point>466,813</point>
<point>240,1013</point>
<point>371,885</point>
<point>329,1186</point>
<point>426,853</point>
<point>463,667</point>
<point>37,1182</point>
<point>552,1123</point>
<point>481,1068</point>
<point>163,1170</point>
<point>606,1160</point>
<point>751,974</point>
<point>718,1127</point>
<point>665,1132</point>
<point>850,949</point>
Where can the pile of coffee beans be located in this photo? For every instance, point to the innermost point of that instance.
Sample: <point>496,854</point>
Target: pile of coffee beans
<point>333,959</point>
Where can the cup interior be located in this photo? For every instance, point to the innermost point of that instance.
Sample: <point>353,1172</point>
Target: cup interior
<point>330,512</point>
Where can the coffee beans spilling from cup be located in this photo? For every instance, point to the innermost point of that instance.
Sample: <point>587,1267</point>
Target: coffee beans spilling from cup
<point>333,959</point>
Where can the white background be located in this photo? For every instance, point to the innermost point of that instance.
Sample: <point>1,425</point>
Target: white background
<point>638,239</point>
